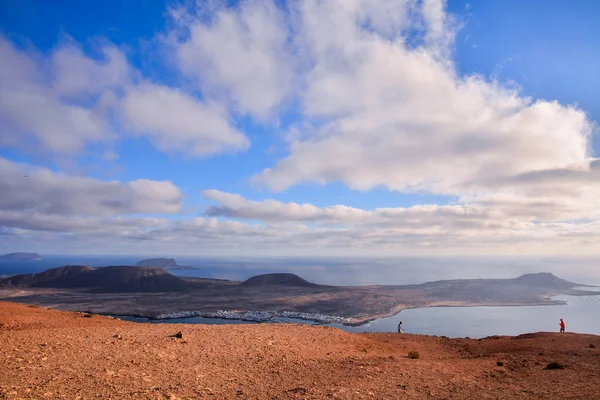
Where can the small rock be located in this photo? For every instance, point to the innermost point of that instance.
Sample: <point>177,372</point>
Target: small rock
<point>178,335</point>
<point>297,390</point>
<point>117,336</point>
<point>555,365</point>
<point>592,346</point>
<point>499,363</point>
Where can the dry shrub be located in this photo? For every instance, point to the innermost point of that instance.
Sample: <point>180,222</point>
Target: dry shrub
<point>413,355</point>
<point>555,365</point>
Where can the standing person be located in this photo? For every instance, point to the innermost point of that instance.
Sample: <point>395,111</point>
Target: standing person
<point>400,327</point>
<point>562,326</point>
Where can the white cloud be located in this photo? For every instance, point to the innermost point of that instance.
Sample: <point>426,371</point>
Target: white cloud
<point>284,228</point>
<point>38,193</point>
<point>239,54</point>
<point>176,122</point>
<point>570,193</point>
<point>66,102</point>
<point>32,113</point>
<point>75,74</point>
<point>488,225</point>
<point>395,114</point>
<point>411,220</point>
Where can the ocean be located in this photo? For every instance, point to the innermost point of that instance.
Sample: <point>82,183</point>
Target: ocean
<point>580,313</point>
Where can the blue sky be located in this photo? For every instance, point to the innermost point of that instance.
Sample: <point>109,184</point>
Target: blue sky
<point>271,128</point>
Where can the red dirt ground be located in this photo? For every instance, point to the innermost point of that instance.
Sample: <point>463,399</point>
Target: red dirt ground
<point>53,354</point>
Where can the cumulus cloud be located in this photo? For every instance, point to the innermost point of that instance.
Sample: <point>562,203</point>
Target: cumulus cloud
<point>36,193</point>
<point>569,193</point>
<point>239,54</point>
<point>75,74</point>
<point>176,121</point>
<point>32,111</point>
<point>63,103</point>
<point>396,114</point>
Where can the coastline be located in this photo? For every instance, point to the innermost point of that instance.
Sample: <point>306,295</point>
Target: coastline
<point>321,319</point>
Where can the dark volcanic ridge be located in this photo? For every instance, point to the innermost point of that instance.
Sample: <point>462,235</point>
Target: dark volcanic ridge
<point>130,279</point>
<point>121,279</point>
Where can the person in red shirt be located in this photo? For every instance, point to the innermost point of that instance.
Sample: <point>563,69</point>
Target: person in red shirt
<point>562,326</point>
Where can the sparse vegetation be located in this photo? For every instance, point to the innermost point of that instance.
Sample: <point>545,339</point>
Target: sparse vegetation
<point>499,363</point>
<point>592,346</point>
<point>414,355</point>
<point>555,365</point>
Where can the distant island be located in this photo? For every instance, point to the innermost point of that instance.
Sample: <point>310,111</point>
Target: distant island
<point>20,257</point>
<point>152,292</point>
<point>164,263</point>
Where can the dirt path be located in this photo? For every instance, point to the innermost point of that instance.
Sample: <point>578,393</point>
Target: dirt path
<point>54,354</point>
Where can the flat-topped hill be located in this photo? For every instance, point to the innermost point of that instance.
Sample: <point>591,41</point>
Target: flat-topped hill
<point>158,262</point>
<point>123,279</point>
<point>20,257</point>
<point>545,279</point>
<point>276,279</point>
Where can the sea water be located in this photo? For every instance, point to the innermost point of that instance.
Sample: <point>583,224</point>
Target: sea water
<point>342,271</point>
<point>581,314</point>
